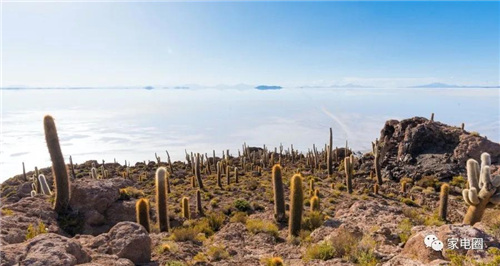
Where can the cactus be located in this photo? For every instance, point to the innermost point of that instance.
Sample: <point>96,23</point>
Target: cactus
<point>158,160</point>
<point>228,175</point>
<point>443,201</point>
<point>193,181</point>
<point>59,171</point>
<point>72,167</point>
<point>236,175</point>
<point>199,207</point>
<point>462,126</point>
<point>376,187</point>
<point>279,199</point>
<point>483,189</point>
<point>197,171</point>
<point>33,193</point>
<point>315,203</point>
<point>219,175</point>
<point>403,186</point>
<point>378,152</point>
<point>432,118</point>
<point>142,213</point>
<point>24,173</point>
<point>329,160</point>
<point>93,173</point>
<point>161,198</point>
<point>316,193</point>
<point>35,181</point>
<point>45,188</point>
<point>296,202</point>
<point>348,165</point>
<point>185,208</point>
<point>311,187</point>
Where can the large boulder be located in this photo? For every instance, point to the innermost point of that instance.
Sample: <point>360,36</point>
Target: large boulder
<point>417,147</point>
<point>45,249</point>
<point>92,199</point>
<point>125,240</point>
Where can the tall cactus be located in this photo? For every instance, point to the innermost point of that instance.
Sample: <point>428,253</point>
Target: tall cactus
<point>443,201</point>
<point>199,207</point>
<point>311,187</point>
<point>161,198</point>
<point>59,171</point>
<point>329,160</point>
<point>24,173</point>
<point>279,199</point>
<point>483,189</point>
<point>378,153</point>
<point>219,174</point>
<point>93,173</point>
<point>228,174</point>
<point>185,208</point>
<point>197,171</point>
<point>72,167</point>
<point>142,213</point>
<point>45,188</point>
<point>296,202</point>
<point>348,165</point>
<point>236,175</point>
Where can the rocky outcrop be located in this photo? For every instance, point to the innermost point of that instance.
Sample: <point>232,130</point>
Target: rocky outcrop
<point>125,240</point>
<point>45,249</point>
<point>417,147</point>
<point>95,201</point>
<point>18,216</point>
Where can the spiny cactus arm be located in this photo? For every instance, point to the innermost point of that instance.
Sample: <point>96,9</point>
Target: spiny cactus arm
<point>487,189</point>
<point>465,194</point>
<point>473,173</point>
<point>44,185</point>
<point>485,159</point>
<point>473,198</point>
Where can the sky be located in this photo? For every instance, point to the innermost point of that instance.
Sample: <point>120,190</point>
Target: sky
<point>389,44</point>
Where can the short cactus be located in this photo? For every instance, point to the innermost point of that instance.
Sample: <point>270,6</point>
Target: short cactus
<point>329,160</point>
<point>142,213</point>
<point>379,151</point>
<point>59,171</point>
<point>311,187</point>
<point>376,188</point>
<point>93,173</point>
<point>404,186</point>
<point>161,198</point>
<point>315,203</point>
<point>219,174</point>
<point>296,202</point>
<point>45,188</point>
<point>443,201</point>
<point>279,199</point>
<point>185,208</point>
<point>228,175</point>
<point>197,171</point>
<point>199,207</point>
<point>236,175</point>
<point>483,189</point>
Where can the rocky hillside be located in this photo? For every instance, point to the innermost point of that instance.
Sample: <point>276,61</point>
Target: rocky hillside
<point>360,224</point>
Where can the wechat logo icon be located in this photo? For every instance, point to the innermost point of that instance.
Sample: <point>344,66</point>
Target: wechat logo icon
<point>431,241</point>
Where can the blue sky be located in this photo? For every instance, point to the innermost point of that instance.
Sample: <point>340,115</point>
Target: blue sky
<point>277,43</point>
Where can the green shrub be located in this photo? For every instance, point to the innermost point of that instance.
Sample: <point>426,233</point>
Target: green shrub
<point>312,221</point>
<point>259,226</point>
<point>215,220</point>
<point>175,263</point>
<point>405,227</point>
<point>408,202</point>
<point>242,205</point>
<point>429,181</point>
<point>239,217</point>
<point>34,231</point>
<point>183,234</point>
<point>217,253</point>
<point>273,261</point>
<point>321,251</point>
<point>458,181</point>
<point>130,192</point>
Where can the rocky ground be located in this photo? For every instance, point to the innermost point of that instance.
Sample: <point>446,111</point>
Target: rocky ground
<point>238,227</point>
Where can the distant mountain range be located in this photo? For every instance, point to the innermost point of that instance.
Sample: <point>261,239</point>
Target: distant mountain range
<point>350,85</point>
<point>443,85</point>
<point>266,87</point>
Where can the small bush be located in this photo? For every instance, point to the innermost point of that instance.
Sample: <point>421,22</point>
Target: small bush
<point>217,253</point>
<point>340,186</point>
<point>321,251</point>
<point>259,226</point>
<point>167,247</point>
<point>242,205</point>
<point>458,181</point>
<point>7,212</point>
<point>405,227</point>
<point>408,202</point>
<point>183,234</point>
<point>214,202</point>
<point>239,217</point>
<point>429,181</point>
<point>34,231</point>
<point>257,207</point>
<point>175,263</point>
<point>274,261</point>
<point>215,220</point>
<point>130,192</point>
<point>312,221</point>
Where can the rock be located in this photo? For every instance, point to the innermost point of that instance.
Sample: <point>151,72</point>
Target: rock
<point>93,198</point>
<point>45,249</point>
<point>417,147</point>
<point>416,249</point>
<point>30,210</point>
<point>111,260</point>
<point>126,240</point>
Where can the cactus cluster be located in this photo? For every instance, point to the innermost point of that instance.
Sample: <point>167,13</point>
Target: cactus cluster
<point>483,189</point>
